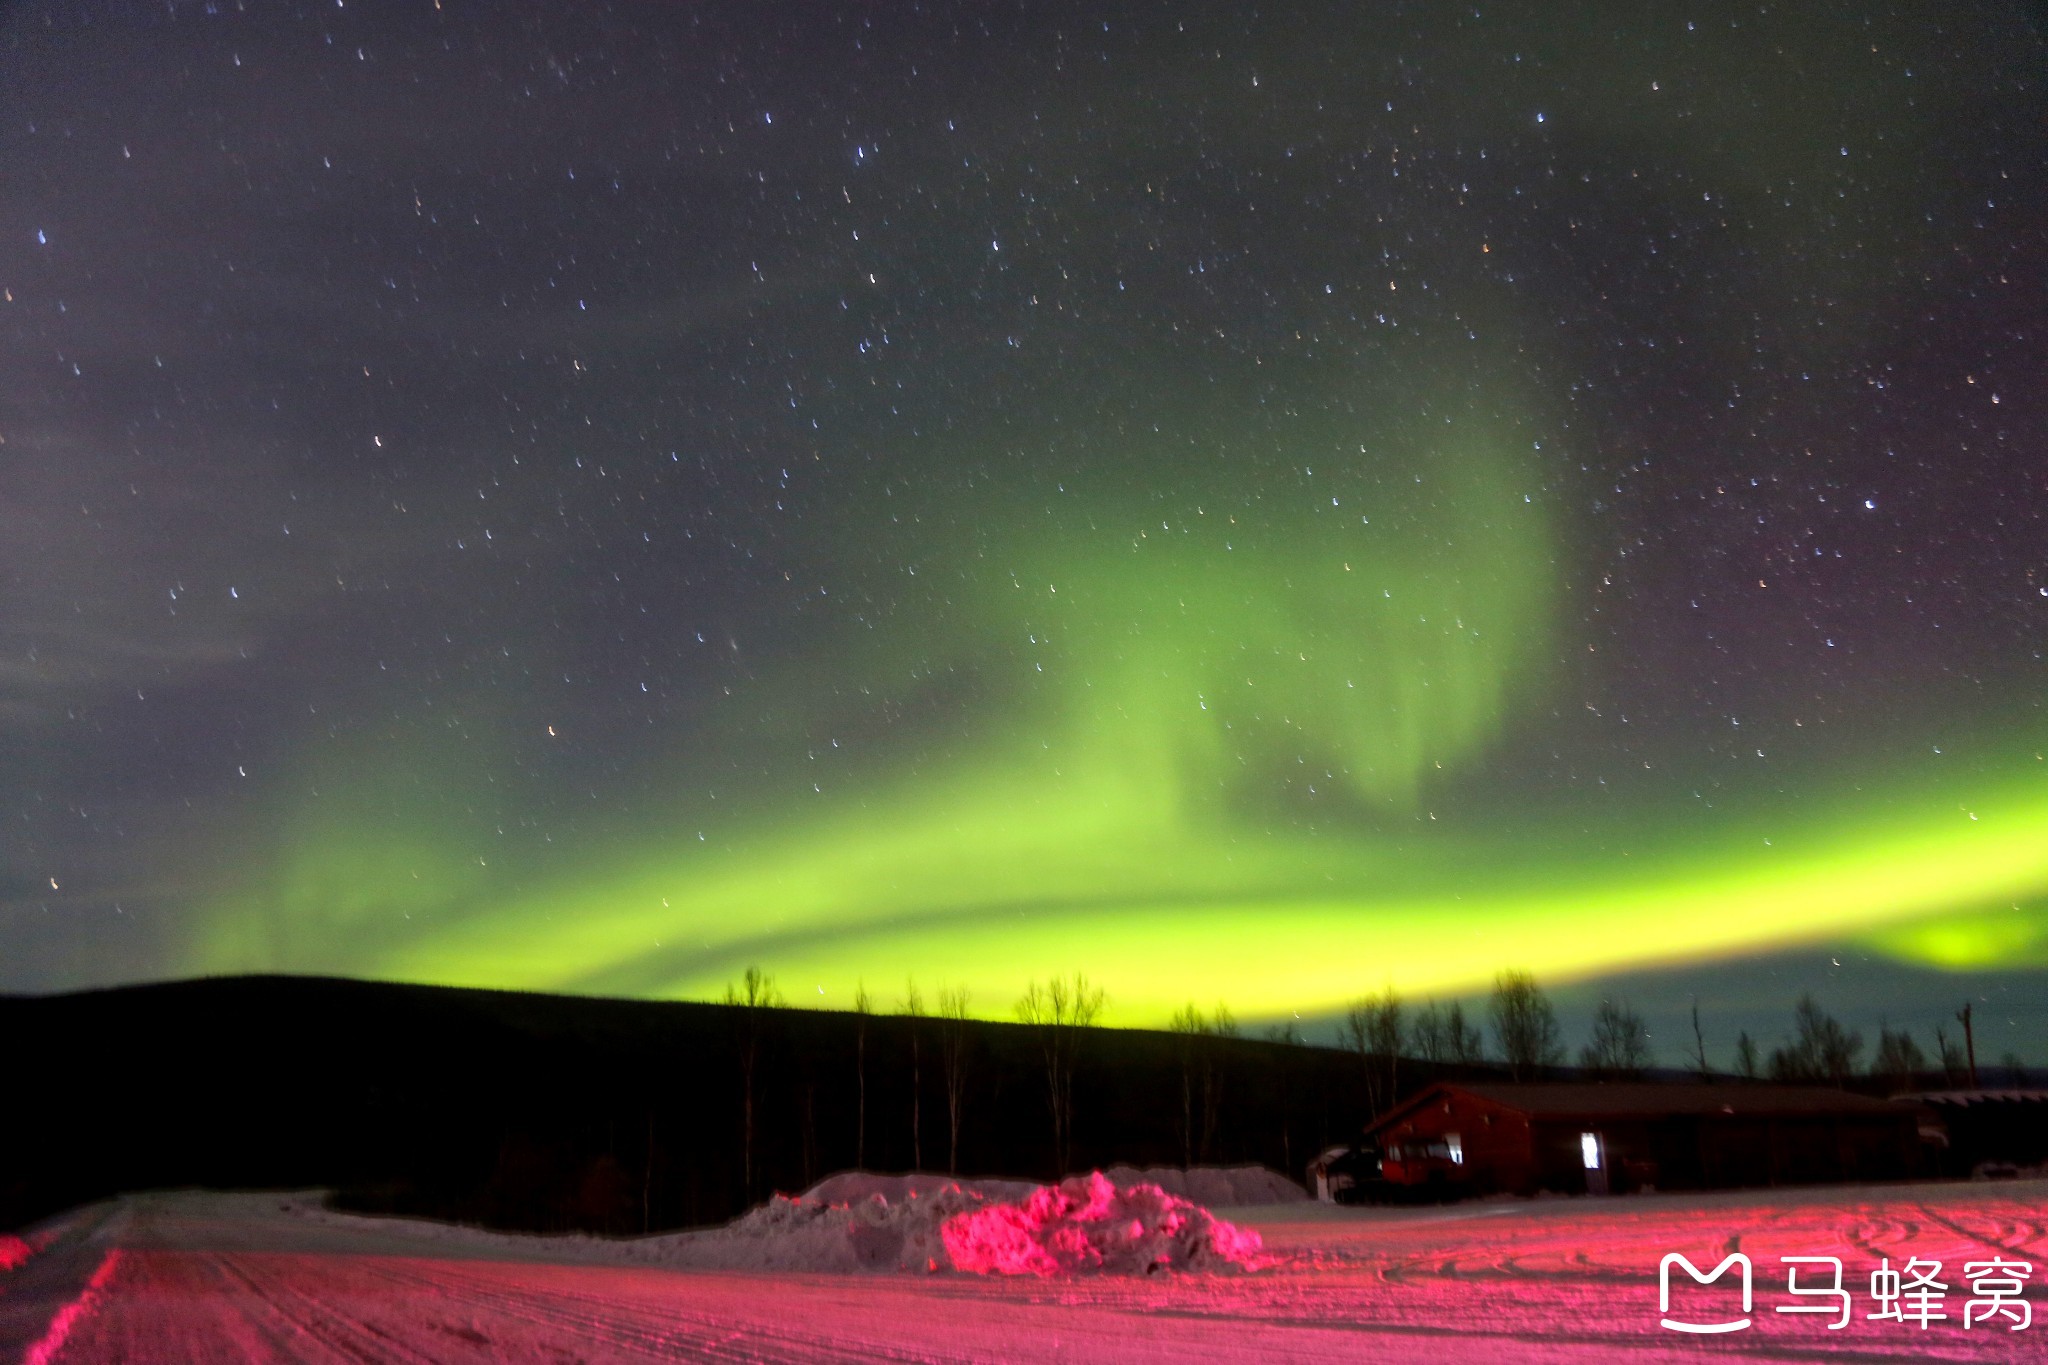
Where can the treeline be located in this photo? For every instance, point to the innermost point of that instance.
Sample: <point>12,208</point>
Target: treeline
<point>1822,1052</point>
<point>953,1046</point>
<point>1381,1030</point>
<point>1217,1112</point>
<point>552,1113</point>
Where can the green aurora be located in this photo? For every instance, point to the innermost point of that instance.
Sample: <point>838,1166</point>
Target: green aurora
<point>1251,504</point>
<point>1212,753</point>
<point>1020,867</point>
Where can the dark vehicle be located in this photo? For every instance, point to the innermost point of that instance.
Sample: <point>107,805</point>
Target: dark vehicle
<point>1425,1171</point>
<point>1409,1173</point>
<point>1348,1175</point>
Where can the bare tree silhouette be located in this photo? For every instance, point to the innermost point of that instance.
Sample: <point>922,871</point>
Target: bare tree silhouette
<point>1372,1029</point>
<point>1525,1025</point>
<point>1189,1028</point>
<point>1462,1043</point>
<point>1440,1035</point>
<point>913,1009</point>
<point>1426,1034</point>
<point>1898,1058</point>
<point>1621,1044</point>
<point>863,1007</point>
<point>1822,1049</point>
<point>1222,1024</point>
<point>751,998</point>
<point>955,1039</point>
<point>1953,1067</point>
<point>1059,1010</point>
<point>1747,1064</point>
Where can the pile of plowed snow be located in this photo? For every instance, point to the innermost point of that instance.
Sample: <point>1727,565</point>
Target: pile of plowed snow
<point>1215,1187</point>
<point>1104,1222</point>
<point>1091,1223</point>
<point>864,1222</point>
<point>853,1187</point>
<point>874,1233</point>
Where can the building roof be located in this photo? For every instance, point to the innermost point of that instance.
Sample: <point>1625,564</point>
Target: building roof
<point>1639,1099</point>
<point>1969,1097</point>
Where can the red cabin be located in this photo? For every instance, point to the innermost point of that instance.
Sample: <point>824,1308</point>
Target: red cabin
<point>1479,1137</point>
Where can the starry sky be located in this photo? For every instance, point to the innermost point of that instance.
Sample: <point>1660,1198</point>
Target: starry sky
<point>1250,503</point>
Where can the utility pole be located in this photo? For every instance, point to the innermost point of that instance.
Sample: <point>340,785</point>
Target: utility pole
<point>1969,1044</point>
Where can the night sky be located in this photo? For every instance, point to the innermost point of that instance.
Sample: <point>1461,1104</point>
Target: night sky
<point>1250,503</point>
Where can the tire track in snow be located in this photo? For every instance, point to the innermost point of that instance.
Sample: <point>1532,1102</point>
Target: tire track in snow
<point>588,1320</point>
<point>68,1255</point>
<point>321,1320</point>
<point>200,1281</point>
<point>1981,1239</point>
<point>45,1349</point>
<point>654,1330</point>
<point>180,1305</point>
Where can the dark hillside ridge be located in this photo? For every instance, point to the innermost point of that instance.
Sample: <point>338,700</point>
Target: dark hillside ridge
<point>556,1112</point>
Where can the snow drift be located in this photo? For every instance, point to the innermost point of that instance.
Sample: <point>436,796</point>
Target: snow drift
<point>1214,1187</point>
<point>208,1276</point>
<point>872,1233</point>
<point>854,1187</point>
<point>1090,1223</point>
<point>1113,1222</point>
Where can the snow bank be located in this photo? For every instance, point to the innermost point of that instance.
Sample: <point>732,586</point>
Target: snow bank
<point>852,1187</point>
<point>16,1251</point>
<point>1216,1187</point>
<point>857,1221</point>
<point>1090,1223</point>
<point>872,1233</point>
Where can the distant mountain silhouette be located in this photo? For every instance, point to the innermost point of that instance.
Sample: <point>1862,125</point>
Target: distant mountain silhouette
<point>554,1112</point>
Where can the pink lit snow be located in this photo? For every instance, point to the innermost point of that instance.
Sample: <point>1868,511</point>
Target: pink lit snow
<point>276,1278</point>
<point>1091,1223</point>
<point>13,1251</point>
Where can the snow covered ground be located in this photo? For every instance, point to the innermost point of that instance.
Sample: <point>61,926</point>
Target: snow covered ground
<point>213,1277</point>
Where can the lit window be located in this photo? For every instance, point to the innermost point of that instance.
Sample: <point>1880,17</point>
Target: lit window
<point>1589,1150</point>
<point>1456,1146</point>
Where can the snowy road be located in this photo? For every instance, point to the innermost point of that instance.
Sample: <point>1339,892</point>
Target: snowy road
<point>201,1277</point>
